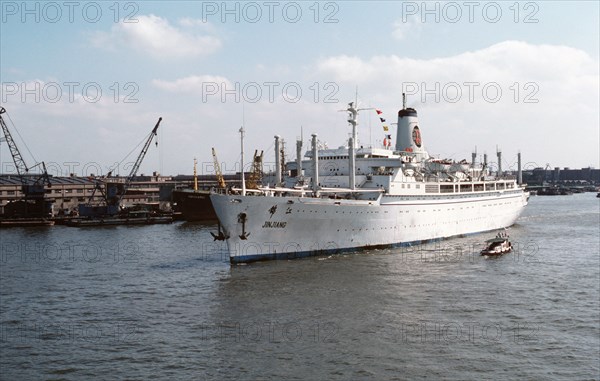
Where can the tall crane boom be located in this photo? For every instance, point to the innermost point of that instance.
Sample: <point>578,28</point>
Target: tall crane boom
<point>14,150</point>
<point>115,191</point>
<point>142,154</point>
<point>33,203</point>
<point>136,165</point>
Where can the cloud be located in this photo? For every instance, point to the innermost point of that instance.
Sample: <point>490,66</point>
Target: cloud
<point>505,61</point>
<point>548,92</point>
<point>404,29</point>
<point>156,37</point>
<point>561,128</point>
<point>191,84</point>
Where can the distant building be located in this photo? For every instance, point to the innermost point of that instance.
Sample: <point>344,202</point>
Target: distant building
<point>539,176</point>
<point>66,193</point>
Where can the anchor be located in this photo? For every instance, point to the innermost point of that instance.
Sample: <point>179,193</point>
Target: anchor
<point>242,220</point>
<point>221,234</point>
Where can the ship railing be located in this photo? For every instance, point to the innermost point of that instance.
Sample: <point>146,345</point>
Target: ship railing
<point>303,192</point>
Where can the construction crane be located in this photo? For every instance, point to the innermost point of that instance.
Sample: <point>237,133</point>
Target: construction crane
<point>218,173</point>
<point>115,191</point>
<point>31,191</point>
<point>255,177</point>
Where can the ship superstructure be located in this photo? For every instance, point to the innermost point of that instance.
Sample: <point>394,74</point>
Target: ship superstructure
<point>354,197</point>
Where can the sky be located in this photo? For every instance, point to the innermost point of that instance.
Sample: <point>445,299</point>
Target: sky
<point>84,83</point>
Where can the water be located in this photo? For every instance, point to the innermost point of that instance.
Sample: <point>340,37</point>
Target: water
<point>159,302</point>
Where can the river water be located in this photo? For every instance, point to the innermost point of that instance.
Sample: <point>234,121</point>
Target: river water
<point>162,302</point>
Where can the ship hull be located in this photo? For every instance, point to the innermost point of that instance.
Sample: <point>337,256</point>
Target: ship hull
<point>194,205</point>
<point>263,228</point>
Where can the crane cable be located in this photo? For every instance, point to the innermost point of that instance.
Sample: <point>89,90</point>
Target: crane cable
<point>20,137</point>
<point>117,165</point>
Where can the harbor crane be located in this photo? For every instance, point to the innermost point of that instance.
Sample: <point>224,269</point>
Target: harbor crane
<point>115,191</point>
<point>33,203</point>
<point>254,181</point>
<point>218,173</point>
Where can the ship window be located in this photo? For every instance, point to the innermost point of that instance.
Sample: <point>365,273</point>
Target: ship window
<point>431,188</point>
<point>408,186</point>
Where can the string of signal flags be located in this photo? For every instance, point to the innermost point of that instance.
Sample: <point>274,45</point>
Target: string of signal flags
<point>387,139</point>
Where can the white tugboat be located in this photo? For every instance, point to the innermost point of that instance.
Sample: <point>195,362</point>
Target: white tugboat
<point>497,246</point>
<point>352,198</point>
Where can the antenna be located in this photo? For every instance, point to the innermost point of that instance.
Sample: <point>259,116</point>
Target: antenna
<point>370,131</point>
<point>352,111</point>
<point>404,101</point>
<point>242,160</point>
<point>243,115</point>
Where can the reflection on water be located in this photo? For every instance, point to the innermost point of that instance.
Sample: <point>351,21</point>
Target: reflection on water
<point>162,301</point>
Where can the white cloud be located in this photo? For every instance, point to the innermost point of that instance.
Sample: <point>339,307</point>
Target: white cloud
<point>562,128</point>
<point>156,37</point>
<point>191,84</point>
<point>409,28</point>
<point>563,80</point>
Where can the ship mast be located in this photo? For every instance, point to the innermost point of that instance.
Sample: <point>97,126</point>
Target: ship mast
<point>299,155</point>
<point>277,161</point>
<point>353,119</point>
<point>195,176</point>
<point>242,160</point>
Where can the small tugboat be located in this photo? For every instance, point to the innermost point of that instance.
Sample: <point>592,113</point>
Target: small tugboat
<point>497,246</point>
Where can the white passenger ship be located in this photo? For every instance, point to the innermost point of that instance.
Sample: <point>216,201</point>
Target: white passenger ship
<point>354,197</point>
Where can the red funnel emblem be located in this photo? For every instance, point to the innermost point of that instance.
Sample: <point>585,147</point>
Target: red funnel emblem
<point>416,135</point>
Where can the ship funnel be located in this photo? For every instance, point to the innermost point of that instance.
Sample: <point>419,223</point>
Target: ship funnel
<point>408,135</point>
